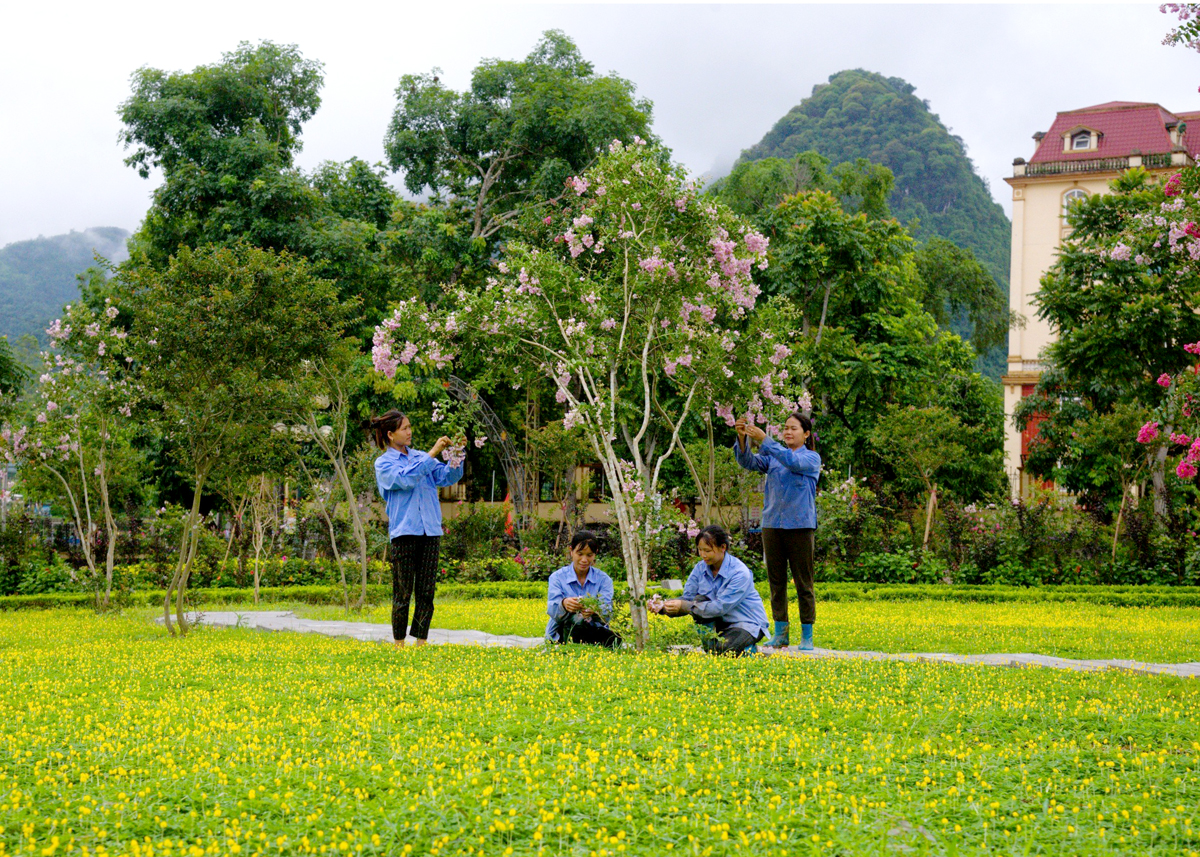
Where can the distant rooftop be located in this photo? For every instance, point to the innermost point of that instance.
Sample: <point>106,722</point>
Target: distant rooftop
<point>1120,128</point>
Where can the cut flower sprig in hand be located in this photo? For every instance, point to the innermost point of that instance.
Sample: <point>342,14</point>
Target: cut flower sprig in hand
<point>454,420</point>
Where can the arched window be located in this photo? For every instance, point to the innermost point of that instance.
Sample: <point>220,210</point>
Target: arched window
<point>1071,196</point>
<point>1082,140</point>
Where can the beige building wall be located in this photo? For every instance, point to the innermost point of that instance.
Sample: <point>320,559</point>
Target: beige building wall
<point>1038,228</point>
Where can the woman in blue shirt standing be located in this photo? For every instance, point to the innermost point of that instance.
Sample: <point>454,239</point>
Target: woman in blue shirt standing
<point>570,619</point>
<point>408,480</point>
<point>789,519</point>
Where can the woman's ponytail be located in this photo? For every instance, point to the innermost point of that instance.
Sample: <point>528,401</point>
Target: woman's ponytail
<point>384,425</point>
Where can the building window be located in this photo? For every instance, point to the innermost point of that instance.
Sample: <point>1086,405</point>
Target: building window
<point>1071,196</point>
<point>1082,140</point>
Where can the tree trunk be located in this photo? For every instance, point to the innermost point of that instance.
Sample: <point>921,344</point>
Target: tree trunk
<point>1160,485</point>
<point>187,552</point>
<point>929,508</point>
<point>1120,516</point>
<point>824,312</point>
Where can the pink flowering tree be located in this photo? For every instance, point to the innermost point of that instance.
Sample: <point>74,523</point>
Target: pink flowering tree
<point>1174,431</point>
<point>635,299</point>
<point>75,440</point>
<point>1123,298</point>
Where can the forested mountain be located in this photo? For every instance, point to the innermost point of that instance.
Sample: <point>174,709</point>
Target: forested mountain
<point>38,276</point>
<point>860,114</point>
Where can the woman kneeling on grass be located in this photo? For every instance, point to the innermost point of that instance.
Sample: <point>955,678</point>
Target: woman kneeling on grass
<point>720,596</point>
<point>408,480</point>
<point>579,598</point>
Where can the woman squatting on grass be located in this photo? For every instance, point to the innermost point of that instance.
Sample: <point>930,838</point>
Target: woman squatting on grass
<point>720,596</point>
<point>579,598</point>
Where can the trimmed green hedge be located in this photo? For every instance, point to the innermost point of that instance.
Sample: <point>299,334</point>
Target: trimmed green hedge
<point>1117,596</point>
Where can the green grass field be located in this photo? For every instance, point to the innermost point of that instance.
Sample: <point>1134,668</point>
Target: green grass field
<point>1064,629</point>
<point>115,739</point>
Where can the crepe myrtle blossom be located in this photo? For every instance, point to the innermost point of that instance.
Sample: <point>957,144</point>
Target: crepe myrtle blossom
<point>650,319</point>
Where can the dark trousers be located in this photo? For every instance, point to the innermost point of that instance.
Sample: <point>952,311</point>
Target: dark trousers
<point>414,571</point>
<point>720,638</point>
<point>589,634</point>
<point>795,548</point>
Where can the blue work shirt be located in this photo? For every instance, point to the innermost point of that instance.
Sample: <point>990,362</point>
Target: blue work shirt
<point>731,596</point>
<point>408,485</point>
<point>790,489</point>
<point>564,583</point>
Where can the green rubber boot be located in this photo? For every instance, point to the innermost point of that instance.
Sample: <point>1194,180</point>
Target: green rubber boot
<point>780,640</point>
<point>806,643</point>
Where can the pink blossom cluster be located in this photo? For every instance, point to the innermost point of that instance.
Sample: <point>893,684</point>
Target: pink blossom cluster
<point>1148,432</point>
<point>708,313</point>
<point>1164,380</point>
<point>1174,185</point>
<point>1180,439</point>
<point>731,273</point>
<point>579,184</point>
<point>1121,252</point>
<point>530,285</point>
<point>455,455</point>
<point>57,331</point>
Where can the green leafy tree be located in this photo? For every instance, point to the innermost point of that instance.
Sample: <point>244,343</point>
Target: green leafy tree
<point>865,339</point>
<point>918,443</point>
<point>520,130</point>
<point>1122,309</point>
<point>955,285</point>
<point>225,137</point>
<point>221,337</point>
<point>757,186</point>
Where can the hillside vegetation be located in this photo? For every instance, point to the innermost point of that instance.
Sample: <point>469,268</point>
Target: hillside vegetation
<point>38,276</point>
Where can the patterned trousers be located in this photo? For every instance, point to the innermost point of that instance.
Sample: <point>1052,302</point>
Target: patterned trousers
<point>414,571</point>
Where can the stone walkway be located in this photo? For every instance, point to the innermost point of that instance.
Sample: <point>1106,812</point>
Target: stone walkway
<point>268,620</point>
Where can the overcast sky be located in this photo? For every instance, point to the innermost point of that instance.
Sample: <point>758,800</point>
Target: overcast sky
<point>719,76</point>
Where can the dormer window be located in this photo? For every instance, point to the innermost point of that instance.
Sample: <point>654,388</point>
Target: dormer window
<point>1081,139</point>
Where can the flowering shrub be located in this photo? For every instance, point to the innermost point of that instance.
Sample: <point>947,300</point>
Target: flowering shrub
<point>77,431</point>
<point>635,298</point>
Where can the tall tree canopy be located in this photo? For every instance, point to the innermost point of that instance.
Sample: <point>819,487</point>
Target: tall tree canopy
<point>516,135</point>
<point>225,137</point>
